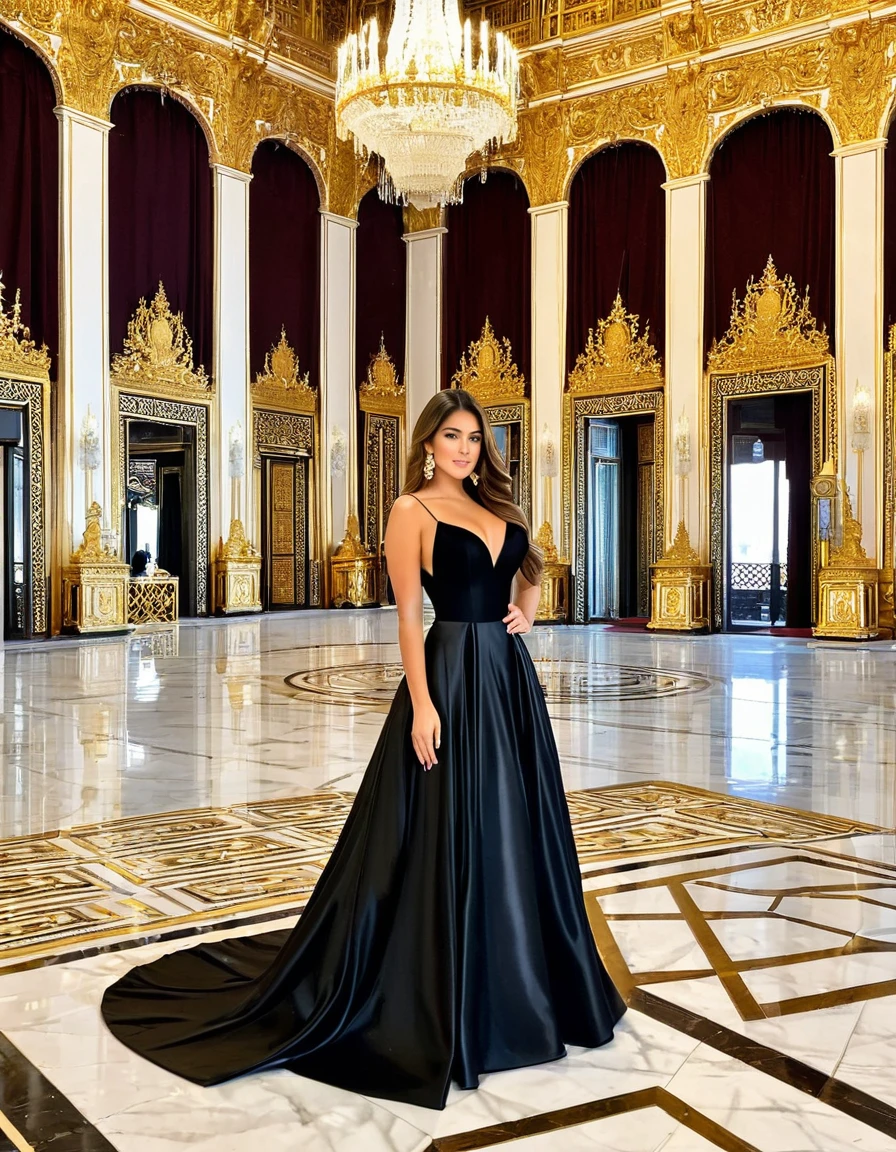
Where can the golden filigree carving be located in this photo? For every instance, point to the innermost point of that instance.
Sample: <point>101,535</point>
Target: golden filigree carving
<point>859,91</point>
<point>616,357</point>
<point>236,546</point>
<point>381,390</point>
<point>771,326</point>
<point>850,553</point>
<point>682,550</point>
<point>158,353</point>
<point>351,546</point>
<point>281,384</point>
<point>545,541</point>
<point>488,371</point>
<point>422,219</point>
<point>20,357</point>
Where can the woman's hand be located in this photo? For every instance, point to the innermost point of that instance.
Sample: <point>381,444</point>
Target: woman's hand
<point>426,733</point>
<point>516,620</point>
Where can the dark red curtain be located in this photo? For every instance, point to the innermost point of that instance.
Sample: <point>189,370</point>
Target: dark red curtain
<point>29,190</point>
<point>488,269</point>
<point>890,230</point>
<point>771,192</point>
<point>381,282</point>
<point>617,242</point>
<point>160,215</point>
<point>284,256</point>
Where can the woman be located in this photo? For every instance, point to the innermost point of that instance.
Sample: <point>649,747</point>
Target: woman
<point>447,936</point>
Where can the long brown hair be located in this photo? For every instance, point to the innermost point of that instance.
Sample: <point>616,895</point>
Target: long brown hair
<point>495,489</point>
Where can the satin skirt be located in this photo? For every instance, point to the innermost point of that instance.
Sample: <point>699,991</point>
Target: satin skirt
<point>447,936</point>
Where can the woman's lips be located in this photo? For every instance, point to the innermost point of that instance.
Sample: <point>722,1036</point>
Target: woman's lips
<point>462,463</point>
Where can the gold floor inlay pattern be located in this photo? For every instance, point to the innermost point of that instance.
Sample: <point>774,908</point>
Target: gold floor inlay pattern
<point>102,884</point>
<point>786,933</point>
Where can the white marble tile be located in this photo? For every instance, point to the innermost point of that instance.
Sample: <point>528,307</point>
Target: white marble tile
<point>763,1111</point>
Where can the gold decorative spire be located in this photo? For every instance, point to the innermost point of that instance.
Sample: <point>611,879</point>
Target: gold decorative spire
<point>281,384</point>
<point>615,353</point>
<point>158,352</point>
<point>682,550</point>
<point>382,391</point>
<point>488,371</point>
<point>850,553</point>
<point>351,546</point>
<point>771,326</point>
<point>19,355</point>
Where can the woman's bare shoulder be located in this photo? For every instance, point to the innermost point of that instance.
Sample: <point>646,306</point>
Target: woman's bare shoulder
<point>405,508</point>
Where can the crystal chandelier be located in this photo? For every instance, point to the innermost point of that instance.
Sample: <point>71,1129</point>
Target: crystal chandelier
<point>435,100</point>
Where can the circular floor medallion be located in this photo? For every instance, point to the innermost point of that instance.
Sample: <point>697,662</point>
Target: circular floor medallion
<point>564,682</point>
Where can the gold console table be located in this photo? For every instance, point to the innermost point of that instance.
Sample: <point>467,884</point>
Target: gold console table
<point>679,589</point>
<point>153,599</point>
<point>94,584</point>
<point>353,571</point>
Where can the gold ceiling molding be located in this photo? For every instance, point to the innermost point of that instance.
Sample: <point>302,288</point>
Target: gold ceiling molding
<point>381,390</point>
<point>281,385</point>
<point>20,357</point>
<point>771,327</point>
<point>488,371</point>
<point>616,357</point>
<point>158,354</point>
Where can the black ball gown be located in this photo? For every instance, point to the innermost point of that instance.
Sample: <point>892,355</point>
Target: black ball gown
<point>447,935</point>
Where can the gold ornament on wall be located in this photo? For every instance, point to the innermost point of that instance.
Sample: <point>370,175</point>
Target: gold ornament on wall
<point>616,357</point>
<point>488,371</point>
<point>281,384</point>
<point>771,326</point>
<point>381,390</point>
<point>158,353</point>
<point>20,357</point>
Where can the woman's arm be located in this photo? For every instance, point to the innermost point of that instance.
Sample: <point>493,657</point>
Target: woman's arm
<point>521,615</point>
<point>403,556</point>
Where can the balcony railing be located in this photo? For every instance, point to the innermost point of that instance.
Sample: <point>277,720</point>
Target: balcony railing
<point>528,22</point>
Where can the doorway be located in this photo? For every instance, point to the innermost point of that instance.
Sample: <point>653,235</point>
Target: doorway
<point>161,513</point>
<point>620,486</point>
<point>768,569</point>
<point>16,558</point>
<point>285,542</point>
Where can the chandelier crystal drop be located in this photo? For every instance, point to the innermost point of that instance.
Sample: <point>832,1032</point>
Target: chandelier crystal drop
<point>438,96</point>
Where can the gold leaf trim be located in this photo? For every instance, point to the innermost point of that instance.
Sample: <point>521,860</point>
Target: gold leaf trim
<point>488,371</point>
<point>615,353</point>
<point>771,326</point>
<point>20,357</point>
<point>158,353</point>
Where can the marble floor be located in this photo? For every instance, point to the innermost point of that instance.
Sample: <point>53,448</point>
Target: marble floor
<point>733,800</point>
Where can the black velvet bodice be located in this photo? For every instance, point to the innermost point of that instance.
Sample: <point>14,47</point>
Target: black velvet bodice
<point>464,584</point>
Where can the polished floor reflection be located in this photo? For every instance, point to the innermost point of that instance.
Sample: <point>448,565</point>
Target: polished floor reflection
<point>733,803</point>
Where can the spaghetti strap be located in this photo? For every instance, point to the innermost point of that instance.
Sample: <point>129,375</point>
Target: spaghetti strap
<point>422,505</point>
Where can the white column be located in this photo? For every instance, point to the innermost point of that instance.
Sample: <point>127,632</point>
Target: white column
<point>423,333</point>
<point>338,390</point>
<point>83,371</point>
<point>859,323</point>
<point>685,261</point>
<point>550,247</point>
<point>231,343</point>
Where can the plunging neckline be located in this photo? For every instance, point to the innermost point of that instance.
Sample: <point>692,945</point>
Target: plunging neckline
<point>481,539</point>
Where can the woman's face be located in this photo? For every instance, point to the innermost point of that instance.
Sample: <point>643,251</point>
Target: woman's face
<point>457,444</point>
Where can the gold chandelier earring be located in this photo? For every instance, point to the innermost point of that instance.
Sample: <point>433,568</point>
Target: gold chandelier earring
<point>474,478</point>
<point>429,467</point>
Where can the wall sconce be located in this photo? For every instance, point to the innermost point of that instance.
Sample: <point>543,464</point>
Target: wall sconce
<point>90,453</point>
<point>861,436</point>
<point>338,451</point>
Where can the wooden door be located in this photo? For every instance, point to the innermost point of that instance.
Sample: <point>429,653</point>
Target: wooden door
<point>285,547</point>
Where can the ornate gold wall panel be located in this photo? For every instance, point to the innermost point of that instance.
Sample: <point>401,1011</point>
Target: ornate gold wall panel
<point>886,604</point>
<point>127,406</point>
<point>216,60</point>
